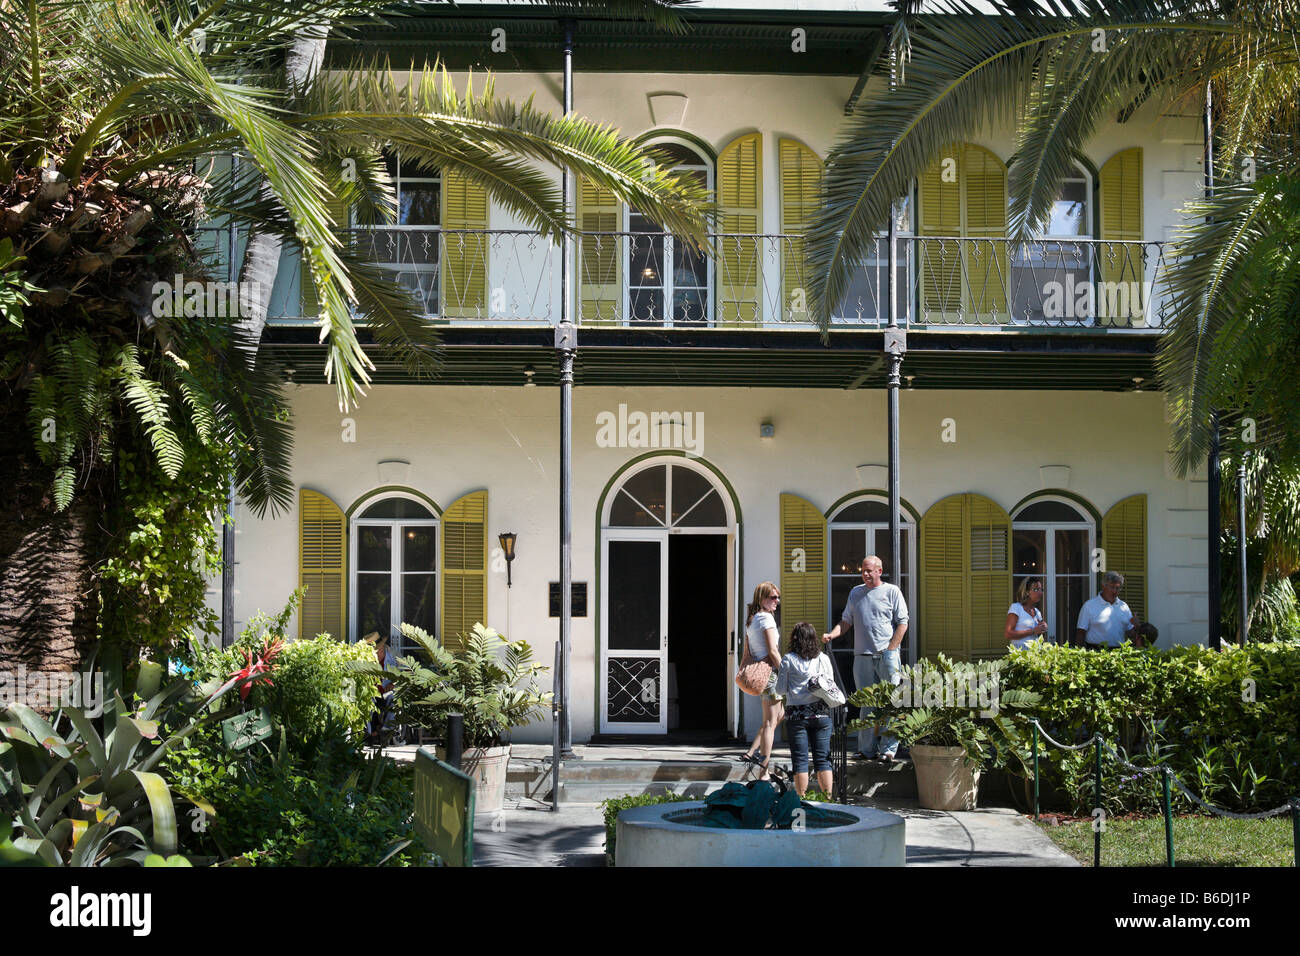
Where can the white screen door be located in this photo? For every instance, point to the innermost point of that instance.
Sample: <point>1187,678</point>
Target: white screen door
<point>635,632</point>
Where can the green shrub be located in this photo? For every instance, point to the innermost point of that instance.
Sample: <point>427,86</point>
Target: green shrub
<point>1224,722</point>
<point>614,805</point>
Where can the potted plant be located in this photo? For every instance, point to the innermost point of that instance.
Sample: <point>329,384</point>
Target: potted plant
<point>490,681</point>
<point>951,716</point>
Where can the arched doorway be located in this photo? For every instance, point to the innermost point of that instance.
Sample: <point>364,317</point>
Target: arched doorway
<point>669,562</point>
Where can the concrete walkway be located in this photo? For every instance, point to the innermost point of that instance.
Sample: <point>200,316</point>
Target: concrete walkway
<point>529,834</point>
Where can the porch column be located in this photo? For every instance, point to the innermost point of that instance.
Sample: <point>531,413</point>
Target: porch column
<point>1214,587</point>
<point>566,342</point>
<point>228,522</point>
<point>895,349</point>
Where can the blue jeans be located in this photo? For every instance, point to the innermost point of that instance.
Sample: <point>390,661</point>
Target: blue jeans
<point>805,732</point>
<point>868,670</point>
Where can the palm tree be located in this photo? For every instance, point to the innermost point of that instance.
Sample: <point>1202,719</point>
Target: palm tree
<point>1060,70</point>
<point>108,120</point>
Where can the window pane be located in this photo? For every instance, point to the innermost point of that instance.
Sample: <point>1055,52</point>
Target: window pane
<point>650,487</point>
<point>689,267</point>
<point>419,601</point>
<point>626,513</point>
<point>417,204</point>
<point>884,549</point>
<point>709,513</point>
<point>634,595</point>
<point>840,588</point>
<point>419,548</point>
<point>1029,552</point>
<point>1072,551</point>
<point>1045,511</point>
<point>864,511</point>
<point>374,548</point>
<point>397,508</point>
<point>646,306</point>
<point>848,548</point>
<point>688,307</point>
<point>1069,211</point>
<point>688,488</point>
<point>1070,595</point>
<point>374,597</point>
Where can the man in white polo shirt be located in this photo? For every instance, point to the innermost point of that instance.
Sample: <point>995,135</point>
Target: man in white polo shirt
<point>1105,620</point>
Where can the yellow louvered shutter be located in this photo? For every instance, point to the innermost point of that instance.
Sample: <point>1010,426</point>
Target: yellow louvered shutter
<point>1121,298</point>
<point>600,257</point>
<point>338,211</point>
<point>801,184</point>
<point>803,566</point>
<point>322,557</point>
<point>1124,539</point>
<point>464,567</point>
<point>986,218</point>
<point>940,202</point>
<point>989,575</point>
<point>740,196</point>
<point>943,577</point>
<point>462,293</point>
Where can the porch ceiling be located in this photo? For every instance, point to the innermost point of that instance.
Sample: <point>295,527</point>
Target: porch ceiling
<point>726,41</point>
<point>727,359</point>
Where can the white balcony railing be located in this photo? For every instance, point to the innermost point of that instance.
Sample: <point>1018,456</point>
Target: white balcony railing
<point>651,280</point>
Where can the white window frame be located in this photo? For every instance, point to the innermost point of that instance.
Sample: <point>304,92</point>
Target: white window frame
<point>870,527</point>
<point>1049,574</point>
<point>669,240</point>
<point>396,571</point>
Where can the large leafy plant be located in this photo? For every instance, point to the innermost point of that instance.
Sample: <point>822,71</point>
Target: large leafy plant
<point>82,790</point>
<point>492,682</point>
<point>947,703</point>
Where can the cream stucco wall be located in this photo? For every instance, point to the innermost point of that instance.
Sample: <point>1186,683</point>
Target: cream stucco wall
<point>506,440</point>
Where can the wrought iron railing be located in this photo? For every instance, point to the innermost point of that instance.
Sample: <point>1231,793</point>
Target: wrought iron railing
<point>651,280</point>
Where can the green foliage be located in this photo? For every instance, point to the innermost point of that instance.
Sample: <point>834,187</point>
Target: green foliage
<point>13,286</point>
<point>355,812</point>
<point>482,681</point>
<point>1224,722</point>
<point>316,692</point>
<point>81,788</point>
<point>615,805</point>
<point>153,582</point>
<point>947,703</point>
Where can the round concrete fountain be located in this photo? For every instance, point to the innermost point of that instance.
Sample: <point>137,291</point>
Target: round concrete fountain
<point>673,834</point>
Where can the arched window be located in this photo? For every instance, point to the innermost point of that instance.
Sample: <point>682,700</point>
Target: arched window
<point>667,496</point>
<point>668,282</point>
<point>861,527</point>
<point>394,565</point>
<point>1052,538</point>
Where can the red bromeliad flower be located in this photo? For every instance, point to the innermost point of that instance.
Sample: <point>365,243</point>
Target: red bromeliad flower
<point>252,670</point>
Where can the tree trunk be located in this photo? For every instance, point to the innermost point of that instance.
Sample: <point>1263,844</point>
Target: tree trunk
<point>49,599</point>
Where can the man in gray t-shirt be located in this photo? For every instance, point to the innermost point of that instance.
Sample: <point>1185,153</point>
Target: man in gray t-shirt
<point>877,615</point>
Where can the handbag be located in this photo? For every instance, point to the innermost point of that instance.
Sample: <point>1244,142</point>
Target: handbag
<point>753,677</point>
<point>827,692</point>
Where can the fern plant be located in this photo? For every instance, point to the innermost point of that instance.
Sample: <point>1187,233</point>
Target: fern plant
<point>492,682</point>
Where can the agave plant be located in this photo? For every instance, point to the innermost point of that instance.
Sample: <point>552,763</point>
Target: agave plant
<point>492,682</point>
<point>78,794</point>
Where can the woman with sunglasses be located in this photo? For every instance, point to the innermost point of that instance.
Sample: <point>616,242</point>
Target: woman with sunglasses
<point>1025,622</point>
<point>763,643</point>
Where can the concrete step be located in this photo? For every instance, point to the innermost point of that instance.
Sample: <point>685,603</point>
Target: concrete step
<point>591,781</point>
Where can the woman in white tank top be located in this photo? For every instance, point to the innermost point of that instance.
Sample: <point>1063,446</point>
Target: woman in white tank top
<point>763,643</point>
<point>1025,622</point>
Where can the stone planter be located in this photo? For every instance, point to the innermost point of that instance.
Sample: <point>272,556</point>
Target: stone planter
<point>487,766</point>
<point>668,835</point>
<point>945,778</point>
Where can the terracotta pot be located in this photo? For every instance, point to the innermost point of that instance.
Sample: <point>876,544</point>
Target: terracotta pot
<point>945,778</point>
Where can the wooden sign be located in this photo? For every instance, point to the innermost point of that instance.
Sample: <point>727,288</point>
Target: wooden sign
<point>444,809</point>
<point>243,730</point>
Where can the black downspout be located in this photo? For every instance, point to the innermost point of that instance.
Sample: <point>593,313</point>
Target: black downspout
<point>1213,524</point>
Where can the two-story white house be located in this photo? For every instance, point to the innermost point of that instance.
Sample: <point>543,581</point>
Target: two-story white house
<point>717,440</point>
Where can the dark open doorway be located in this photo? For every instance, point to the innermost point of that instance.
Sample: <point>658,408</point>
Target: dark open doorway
<point>697,632</point>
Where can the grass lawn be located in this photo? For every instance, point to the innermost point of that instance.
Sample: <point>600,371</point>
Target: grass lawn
<point>1198,841</point>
